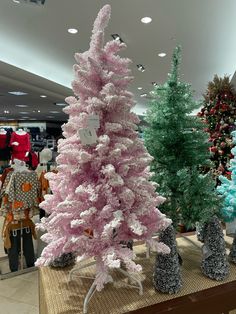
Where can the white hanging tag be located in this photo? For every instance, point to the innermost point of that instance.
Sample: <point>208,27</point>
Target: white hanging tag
<point>88,136</point>
<point>93,121</point>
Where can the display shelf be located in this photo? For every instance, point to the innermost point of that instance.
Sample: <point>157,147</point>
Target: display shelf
<point>198,295</point>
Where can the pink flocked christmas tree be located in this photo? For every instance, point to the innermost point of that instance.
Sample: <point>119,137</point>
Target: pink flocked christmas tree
<point>102,194</point>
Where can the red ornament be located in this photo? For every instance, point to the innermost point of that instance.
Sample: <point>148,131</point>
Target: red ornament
<point>222,144</point>
<point>215,135</point>
<point>224,107</point>
<point>213,149</point>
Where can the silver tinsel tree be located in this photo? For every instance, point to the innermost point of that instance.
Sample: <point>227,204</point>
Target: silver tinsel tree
<point>66,259</point>
<point>167,276</point>
<point>214,264</point>
<point>200,231</point>
<point>232,254</point>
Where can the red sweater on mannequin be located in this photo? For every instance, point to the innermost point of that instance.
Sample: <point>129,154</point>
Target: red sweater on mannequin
<point>19,151</point>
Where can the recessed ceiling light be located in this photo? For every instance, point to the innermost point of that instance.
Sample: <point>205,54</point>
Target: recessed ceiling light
<point>54,111</point>
<point>143,95</point>
<point>117,37</point>
<point>146,19</point>
<point>23,112</point>
<point>140,88</point>
<point>6,111</point>
<point>16,1</point>
<point>43,96</point>
<point>38,110</point>
<point>18,93</point>
<point>60,104</point>
<point>21,106</point>
<point>72,30</point>
<point>141,67</point>
<point>162,54</point>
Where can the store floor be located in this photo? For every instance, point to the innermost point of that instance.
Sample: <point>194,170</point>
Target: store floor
<point>19,295</point>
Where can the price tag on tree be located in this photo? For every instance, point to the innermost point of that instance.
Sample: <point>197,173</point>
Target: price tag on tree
<point>93,121</point>
<point>87,136</point>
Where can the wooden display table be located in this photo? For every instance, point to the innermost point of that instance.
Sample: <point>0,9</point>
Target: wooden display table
<point>198,295</point>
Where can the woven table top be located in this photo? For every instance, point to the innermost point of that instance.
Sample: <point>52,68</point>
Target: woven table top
<point>57,296</point>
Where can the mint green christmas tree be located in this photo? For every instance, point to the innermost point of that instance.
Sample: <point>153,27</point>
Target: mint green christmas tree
<point>228,188</point>
<point>180,148</point>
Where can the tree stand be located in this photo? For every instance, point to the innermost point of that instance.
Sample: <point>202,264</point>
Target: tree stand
<point>148,250</point>
<point>75,272</point>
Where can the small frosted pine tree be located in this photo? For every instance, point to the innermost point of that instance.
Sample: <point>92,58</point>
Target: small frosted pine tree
<point>214,264</point>
<point>65,260</point>
<point>167,275</point>
<point>232,254</point>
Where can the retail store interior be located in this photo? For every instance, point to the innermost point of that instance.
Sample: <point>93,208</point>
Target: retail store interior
<point>81,198</point>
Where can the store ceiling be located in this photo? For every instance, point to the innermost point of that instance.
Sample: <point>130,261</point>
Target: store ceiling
<point>35,38</point>
<point>30,106</point>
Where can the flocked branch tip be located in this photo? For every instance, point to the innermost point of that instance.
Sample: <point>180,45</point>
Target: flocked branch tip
<point>102,19</point>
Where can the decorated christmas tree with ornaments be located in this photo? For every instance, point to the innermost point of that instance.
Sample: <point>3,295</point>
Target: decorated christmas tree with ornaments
<point>102,193</point>
<point>219,115</point>
<point>176,140</point>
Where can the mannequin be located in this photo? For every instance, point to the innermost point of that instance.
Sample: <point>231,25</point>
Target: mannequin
<point>44,157</point>
<point>2,131</point>
<point>20,143</point>
<point>19,165</point>
<point>20,203</point>
<point>4,149</point>
<point>20,132</point>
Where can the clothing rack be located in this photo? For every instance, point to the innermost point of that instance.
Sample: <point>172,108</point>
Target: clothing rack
<point>20,236</point>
